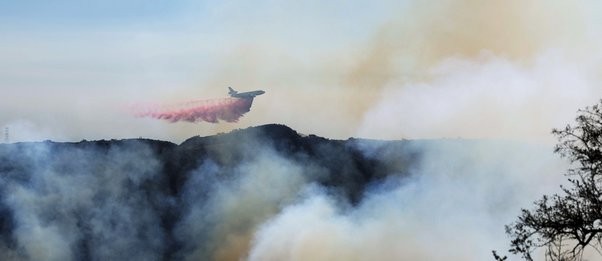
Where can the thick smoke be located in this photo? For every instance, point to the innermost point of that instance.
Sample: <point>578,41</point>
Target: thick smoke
<point>260,187</point>
<point>358,67</point>
<point>465,68</point>
<point>81,203</point>
<point>452,207</point>
<point>227,109</point>
<point>490,97</point>
<point>257,198</point>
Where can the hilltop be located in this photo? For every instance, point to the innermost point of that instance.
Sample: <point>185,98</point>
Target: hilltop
<point>208,197</point>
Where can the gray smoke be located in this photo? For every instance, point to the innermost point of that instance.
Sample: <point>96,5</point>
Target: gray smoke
<point>63,202</point>
<point>261,200</point>
<point>235,206</point>
<point>452,207</point>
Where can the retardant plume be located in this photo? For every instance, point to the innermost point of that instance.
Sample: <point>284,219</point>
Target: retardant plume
<point>212,110</point>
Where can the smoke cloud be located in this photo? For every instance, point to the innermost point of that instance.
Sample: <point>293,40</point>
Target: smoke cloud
<point>358,67</point>
<point>259,188</point>
<point>509,69</point>
<point>80,203</point>
<point>227,109</point>
<point>417,69</point>
<point>453,206</point>
<point>256,197</point>
<point>489,97</point>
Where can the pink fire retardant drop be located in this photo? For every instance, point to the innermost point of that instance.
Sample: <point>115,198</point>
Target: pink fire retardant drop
<point>214,110</point>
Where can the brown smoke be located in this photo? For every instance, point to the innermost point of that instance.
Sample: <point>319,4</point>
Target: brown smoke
<point>409,46</point>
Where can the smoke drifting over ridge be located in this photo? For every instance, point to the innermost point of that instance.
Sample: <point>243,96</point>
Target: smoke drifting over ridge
<point>508,69</point>
<point>266,193</point>
<point>429,53</point>
<point>458,68</point>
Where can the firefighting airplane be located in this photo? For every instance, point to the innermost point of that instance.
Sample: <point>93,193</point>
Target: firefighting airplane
<point>244,95</point>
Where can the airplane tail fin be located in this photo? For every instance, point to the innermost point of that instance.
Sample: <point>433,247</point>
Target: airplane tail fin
<point>232,91</point>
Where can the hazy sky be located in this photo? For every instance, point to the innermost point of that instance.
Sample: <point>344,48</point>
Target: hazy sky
<point>378,69</point>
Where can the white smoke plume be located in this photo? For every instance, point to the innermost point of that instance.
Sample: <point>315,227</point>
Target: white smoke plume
<point>453,207</point>
<point>458,68</point>
<point>75,199</point>
<point>260,187</point>
<point>489,97</point>
<point>248,197</point>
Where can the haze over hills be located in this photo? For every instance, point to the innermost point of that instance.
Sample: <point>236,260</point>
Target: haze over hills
<point>265,193</point>
<point>497,75</point>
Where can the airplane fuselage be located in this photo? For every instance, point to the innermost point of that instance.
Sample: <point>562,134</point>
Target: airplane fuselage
<point>244,95</point>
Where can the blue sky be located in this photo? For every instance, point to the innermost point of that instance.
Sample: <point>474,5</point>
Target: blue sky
<point>30,14</point>
<point>378,69</point>
<point>77,58</point>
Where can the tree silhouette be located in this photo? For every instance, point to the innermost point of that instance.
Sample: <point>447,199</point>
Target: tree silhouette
<point>568,224</point>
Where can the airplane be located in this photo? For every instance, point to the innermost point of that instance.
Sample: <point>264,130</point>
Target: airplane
<point>244,95</point>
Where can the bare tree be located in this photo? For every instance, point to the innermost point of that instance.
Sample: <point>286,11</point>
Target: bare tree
<point>568,224</point>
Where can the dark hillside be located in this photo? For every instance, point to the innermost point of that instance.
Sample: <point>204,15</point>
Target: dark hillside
<point>141,199</point>
<point>149,176</point>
